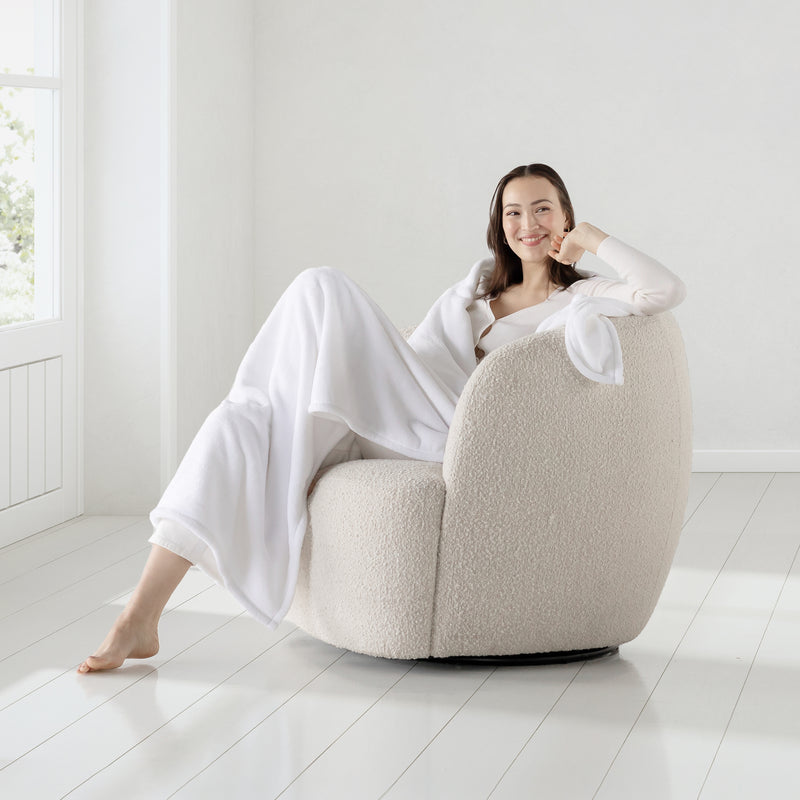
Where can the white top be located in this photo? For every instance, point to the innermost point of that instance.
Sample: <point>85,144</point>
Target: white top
<point>645,284</point>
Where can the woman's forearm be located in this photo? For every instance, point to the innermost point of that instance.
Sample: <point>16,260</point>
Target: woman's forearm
<point>644,283</point>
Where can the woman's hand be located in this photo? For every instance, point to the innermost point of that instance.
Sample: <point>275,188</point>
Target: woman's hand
<point>567,248</point>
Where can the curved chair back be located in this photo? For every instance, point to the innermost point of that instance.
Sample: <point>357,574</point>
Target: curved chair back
<point>564,497</point>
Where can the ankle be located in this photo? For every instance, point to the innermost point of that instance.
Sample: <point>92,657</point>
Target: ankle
<point>135,617</point>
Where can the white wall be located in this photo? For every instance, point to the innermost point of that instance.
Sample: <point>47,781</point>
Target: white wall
<point>213,203</point>
<point>123,241</point>
<point>169,203</point>
<point>382,129</point>
<point>370,137</point>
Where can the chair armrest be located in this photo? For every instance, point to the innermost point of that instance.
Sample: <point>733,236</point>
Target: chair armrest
<point>368,563</point>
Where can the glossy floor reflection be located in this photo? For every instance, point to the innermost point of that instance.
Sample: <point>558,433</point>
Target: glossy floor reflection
<point>703,704</point>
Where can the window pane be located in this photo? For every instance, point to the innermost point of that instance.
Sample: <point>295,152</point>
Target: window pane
<point>28,281</point>
<point>26,36</point>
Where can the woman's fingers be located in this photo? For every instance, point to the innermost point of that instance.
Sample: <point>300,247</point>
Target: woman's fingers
<point>556,246</point>
<point>563,249</point>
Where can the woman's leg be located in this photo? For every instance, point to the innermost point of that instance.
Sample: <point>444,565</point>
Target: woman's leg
<point>327,362</point>
<point>135,633</point>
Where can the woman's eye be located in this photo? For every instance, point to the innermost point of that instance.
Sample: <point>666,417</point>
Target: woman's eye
<point>511,213</point>
<point>542,208</point>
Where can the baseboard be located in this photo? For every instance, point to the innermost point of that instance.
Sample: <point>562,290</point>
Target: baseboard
<point>746,461</point>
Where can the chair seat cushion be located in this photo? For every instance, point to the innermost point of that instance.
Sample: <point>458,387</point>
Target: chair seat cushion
<point>368,566</point>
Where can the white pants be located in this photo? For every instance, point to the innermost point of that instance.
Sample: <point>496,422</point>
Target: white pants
<point>328,378</point>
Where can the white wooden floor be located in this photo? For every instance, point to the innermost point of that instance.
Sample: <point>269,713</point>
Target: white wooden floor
<point>705,703</point>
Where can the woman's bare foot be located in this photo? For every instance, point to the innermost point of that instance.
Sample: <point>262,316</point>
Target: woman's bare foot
<point>128,638</point>
<point>135,633</point>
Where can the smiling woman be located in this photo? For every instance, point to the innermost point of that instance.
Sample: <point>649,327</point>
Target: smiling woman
<point>329,378</point>
<point>536,245</point>
<point>529,206</point>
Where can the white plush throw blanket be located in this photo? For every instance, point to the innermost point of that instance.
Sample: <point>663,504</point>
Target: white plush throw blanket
<point>443,340</point>
<point>591,338</point>
<point>327,361</point>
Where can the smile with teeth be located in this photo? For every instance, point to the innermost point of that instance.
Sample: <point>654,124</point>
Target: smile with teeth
<point>533,241</point>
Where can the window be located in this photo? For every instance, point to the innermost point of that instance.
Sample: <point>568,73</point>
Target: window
<point>40,256</point>
<point>30,107</point>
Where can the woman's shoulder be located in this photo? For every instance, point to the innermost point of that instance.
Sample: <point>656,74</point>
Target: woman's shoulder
<point>586,274</point>
<point>485,270</point>
<point>586,280</point>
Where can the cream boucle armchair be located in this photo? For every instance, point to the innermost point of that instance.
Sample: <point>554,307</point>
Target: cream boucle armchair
<point>549,528</point>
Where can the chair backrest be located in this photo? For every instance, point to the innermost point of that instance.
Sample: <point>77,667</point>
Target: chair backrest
<point>565,497</point>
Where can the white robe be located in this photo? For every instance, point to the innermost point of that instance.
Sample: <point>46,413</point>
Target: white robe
<point>327,361</point>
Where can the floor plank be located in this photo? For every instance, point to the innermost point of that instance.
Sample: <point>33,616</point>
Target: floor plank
<point>70,697</point>
<point>101,717</point>
<point>42,548</point>
<point>678,733</point>
<point>161,764</point>
<point>46,617</point>
<point>394,731</point>
<point>295,730</point>
<point>570,752</point>
<point>70,568</point>
<point>700,484</point>
<point>61,652</point>
<point>465,759</point>
<point>758,755</point>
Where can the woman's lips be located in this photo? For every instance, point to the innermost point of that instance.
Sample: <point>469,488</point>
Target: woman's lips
<point>532,241</point>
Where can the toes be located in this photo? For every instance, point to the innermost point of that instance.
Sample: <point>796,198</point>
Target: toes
<point>96,664</point>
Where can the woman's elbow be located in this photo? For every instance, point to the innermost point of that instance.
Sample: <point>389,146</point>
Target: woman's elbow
<point>658,302</point>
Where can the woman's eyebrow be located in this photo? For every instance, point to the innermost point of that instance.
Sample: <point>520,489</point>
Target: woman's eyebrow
<point>533,203</point>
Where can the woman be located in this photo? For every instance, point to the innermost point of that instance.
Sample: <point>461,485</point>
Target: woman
<point>329,378</point>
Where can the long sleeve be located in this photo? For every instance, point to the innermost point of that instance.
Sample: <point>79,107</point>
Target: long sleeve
<point>646,284</point>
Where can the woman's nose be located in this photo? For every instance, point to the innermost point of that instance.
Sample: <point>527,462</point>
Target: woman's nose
<point>529,220</point>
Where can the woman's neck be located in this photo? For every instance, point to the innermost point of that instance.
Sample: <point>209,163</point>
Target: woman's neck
<point>535,280</point>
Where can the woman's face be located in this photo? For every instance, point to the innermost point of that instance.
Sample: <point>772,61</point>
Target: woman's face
<point>531,216</point>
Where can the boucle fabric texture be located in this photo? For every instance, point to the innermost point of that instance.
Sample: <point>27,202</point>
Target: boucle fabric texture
<point>368,564</point>
<point>551,525</point>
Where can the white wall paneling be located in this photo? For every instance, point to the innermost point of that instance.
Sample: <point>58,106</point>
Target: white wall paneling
<point>39,465</point>
<point>30,431</point>
<point>5,438</point>
<point>746,460</point>
<point>36,428</point>
<point>18,424</point>
<point>53,424</point>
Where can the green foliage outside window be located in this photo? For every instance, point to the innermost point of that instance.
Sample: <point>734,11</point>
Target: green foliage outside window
<point>16,216</point>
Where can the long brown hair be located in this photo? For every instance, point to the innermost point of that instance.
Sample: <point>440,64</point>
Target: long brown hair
<point>507,265</point>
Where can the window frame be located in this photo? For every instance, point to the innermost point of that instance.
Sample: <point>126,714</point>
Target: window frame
<point>61,336</point>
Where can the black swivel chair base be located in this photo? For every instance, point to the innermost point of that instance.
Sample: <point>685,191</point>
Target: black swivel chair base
<point>531,659</point>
